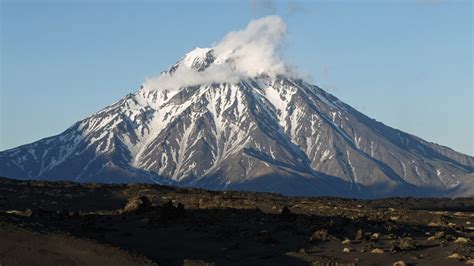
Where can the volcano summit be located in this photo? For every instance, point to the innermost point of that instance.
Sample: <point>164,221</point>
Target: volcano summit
<point>236,117</point>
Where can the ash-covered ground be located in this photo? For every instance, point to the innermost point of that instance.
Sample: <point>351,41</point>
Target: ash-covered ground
<point>65,223</point>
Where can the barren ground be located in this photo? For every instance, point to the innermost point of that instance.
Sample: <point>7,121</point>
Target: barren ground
<point>64,223</point>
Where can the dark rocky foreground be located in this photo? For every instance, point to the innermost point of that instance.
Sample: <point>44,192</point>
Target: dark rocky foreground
<point>65,223</point>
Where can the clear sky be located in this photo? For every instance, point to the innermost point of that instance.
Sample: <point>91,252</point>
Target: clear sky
<point>407,63</point>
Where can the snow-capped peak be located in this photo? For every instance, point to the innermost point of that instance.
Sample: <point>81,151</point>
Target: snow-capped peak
<point>198,58</point>
<point>241,55</point>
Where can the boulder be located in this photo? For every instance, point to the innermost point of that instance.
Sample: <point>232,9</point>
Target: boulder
<point>399,263</point>
<point>168,212</point>
<point>359,235</point>
<point>320,235</point>
<point>136,204</point>
<point>287,214</point>
<point>406,243</point>
<point>462,240</point>
<point>377,251</point>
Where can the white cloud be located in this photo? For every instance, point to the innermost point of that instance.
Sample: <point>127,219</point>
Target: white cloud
<point>241,54</point>
<point>255,48</point>
<point>184,77</point>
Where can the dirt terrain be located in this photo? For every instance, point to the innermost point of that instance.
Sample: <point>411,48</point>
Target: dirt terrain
<point>65,223</point>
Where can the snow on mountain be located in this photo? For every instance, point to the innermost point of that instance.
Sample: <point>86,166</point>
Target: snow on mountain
<point>220,119</point>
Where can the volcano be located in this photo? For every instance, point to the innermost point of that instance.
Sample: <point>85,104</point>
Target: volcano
<point>235,117</point>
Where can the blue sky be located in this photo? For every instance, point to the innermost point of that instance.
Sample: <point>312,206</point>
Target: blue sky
<point>406,63</point>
